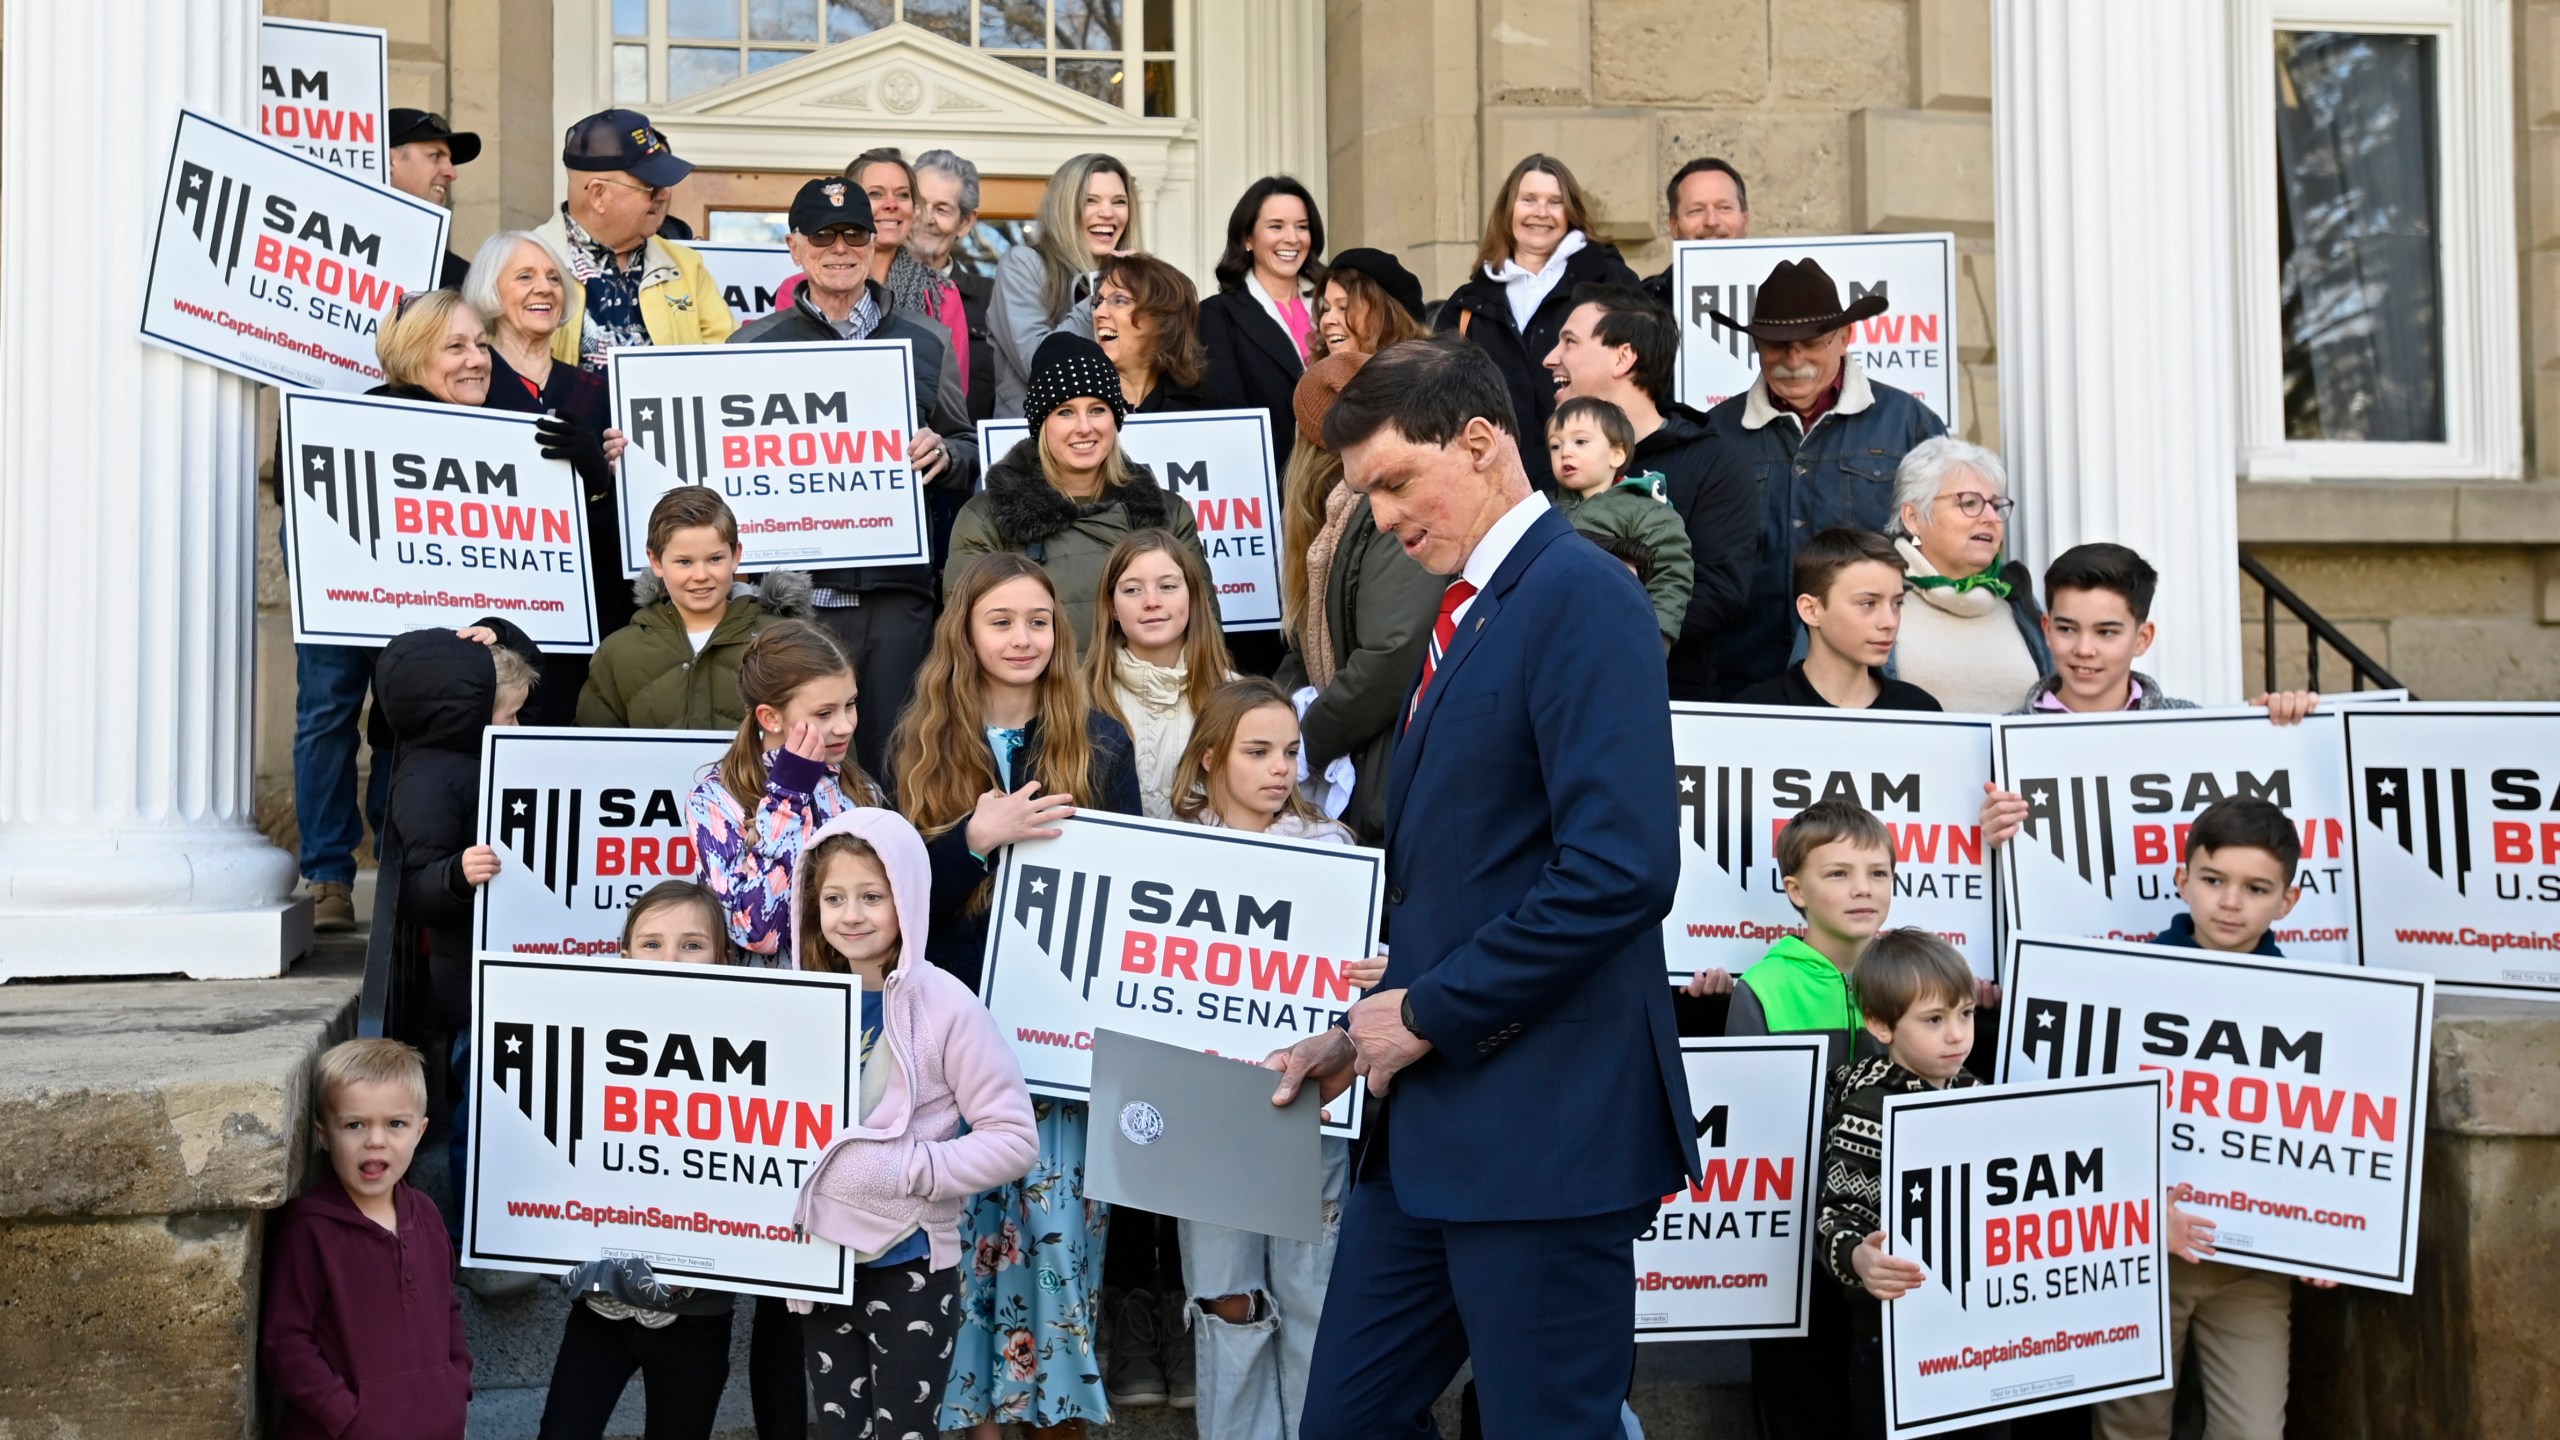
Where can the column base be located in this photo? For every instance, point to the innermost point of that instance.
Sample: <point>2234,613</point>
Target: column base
<point>256,943</point>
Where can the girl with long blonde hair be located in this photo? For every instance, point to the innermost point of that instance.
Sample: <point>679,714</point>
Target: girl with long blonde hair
<point>998,746</point>
<point>1157,652</point>
<point>1088,214</point>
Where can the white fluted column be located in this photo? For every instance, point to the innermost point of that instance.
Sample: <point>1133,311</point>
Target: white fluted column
<point>127,500</point>
<point>2112,126</point>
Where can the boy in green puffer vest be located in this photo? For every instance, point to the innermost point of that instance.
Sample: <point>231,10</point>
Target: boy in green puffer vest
<point>1837,860</point>
<point>675,666</point>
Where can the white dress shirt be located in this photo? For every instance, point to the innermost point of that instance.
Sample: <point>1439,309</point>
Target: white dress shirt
<point>1497,545</point>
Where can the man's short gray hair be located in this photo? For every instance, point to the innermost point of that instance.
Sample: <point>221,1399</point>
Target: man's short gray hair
<point>480,287</point>
<point>958,169</point>
<point>1924,471</point>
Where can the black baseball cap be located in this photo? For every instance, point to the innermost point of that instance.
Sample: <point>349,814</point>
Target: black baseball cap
<point>623,140</point>
<point>830,202</point>
<point>416,127</point>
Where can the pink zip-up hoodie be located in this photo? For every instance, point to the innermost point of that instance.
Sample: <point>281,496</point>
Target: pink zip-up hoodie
<point>907,1165</point>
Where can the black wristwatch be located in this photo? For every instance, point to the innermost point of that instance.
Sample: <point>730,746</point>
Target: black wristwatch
<point>1404,1013</point>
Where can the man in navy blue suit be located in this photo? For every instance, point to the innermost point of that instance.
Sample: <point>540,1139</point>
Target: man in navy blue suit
<point>1534,1111</point>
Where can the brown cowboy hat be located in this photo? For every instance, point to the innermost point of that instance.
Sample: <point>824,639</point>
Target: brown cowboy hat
<point>1798,302</point>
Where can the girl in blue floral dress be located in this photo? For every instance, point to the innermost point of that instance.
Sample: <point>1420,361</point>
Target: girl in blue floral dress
<point>998,745</point>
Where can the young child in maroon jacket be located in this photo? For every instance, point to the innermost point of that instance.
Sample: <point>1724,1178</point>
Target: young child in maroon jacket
<point>363,1330</point>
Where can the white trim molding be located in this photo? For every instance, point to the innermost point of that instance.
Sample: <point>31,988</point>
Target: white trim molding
<point>2476,240</point>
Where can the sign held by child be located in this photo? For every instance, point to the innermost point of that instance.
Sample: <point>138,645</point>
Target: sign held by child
<point>668,1112</point>
<point>1731,1256</point>
<point>593,818</point>
<point>2297,1091</point>
<point>1743,772</point>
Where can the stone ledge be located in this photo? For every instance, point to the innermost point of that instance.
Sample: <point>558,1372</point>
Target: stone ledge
<point>164,1097</point>
<point>2324,512</point>
<point>2497,1067</point>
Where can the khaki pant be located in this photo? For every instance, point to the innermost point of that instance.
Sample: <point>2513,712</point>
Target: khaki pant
<point>2242,1325</point>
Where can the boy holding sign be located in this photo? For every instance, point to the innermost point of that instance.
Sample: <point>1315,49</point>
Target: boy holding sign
<point>1916,998</point>
<point>2238,881</point>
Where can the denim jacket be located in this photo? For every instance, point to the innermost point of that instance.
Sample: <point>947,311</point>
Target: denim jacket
<point>1838,473</point>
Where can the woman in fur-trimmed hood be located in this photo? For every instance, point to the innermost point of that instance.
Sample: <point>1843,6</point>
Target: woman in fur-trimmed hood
<point>648,676</point>
<point>1064,496</point>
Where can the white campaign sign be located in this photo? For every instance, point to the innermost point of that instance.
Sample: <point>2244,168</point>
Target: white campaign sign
<point>1730,1256</point>
<point>1228,942</point>
<point>1220,461</point>
<point>2036,1211</point>
<point>1911,346</point>
<point>1744,771</point>
<point>401,515</point>
<point>665,1111</point>
<point>750,277</point>
<point>323,90</point>
<point>2110,799</point>
<point>271,265</point>
<point>807,443</point>
<point>2297,1091</point>
<point>2457,843</point>
<point>584,821</point>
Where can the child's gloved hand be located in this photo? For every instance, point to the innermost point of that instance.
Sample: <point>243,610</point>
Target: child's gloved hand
<point>627,1279</point>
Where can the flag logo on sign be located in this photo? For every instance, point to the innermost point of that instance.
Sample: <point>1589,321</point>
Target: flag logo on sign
<point>1937,1215</point>
<point>1064,912</point>
<point>526,1067</point>
<point>2416,809</point>
<point>541,827</point>
<point>2077,814</point>
<point>1728,787</point>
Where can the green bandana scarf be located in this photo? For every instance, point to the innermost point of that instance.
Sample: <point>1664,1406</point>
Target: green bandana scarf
<point>1989,580</point>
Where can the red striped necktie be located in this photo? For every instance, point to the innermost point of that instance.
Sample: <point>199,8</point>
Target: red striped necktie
<point>1443,630</point>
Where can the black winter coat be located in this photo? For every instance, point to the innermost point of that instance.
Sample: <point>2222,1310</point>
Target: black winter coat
<point>583,396</point>
<point>1481,311</point>
<point>437,691</point>
<point>975,290</point>
<point>1717,494</point>
<point>1253,365</point>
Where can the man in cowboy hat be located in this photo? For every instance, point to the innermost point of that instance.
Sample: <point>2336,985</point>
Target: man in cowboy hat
<point>1823,438</point>
<point>633,287</point>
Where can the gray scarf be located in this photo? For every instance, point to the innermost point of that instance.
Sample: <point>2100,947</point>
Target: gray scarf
<point>913,287</point>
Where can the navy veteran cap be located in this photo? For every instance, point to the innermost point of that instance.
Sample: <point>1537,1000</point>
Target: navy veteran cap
<point>623,140</point>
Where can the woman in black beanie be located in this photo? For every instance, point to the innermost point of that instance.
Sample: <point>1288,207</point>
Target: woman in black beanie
<point>1065,495</point>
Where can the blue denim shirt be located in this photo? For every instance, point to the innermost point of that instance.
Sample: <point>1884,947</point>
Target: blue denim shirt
<point>1840,473</point>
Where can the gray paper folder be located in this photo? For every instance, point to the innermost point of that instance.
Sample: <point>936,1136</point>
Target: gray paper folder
<point>1196,1136</point>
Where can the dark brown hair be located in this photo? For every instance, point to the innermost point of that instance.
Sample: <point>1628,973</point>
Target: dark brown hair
<point>1605,416</point>
<point>816,951</point>
<point>781,658</point>
<point>1824,822</point>
<point>1819,563</point>
<point>1903,968</point>
<point>1236,265</point>
<point>666,895</point>
<point>690,507</point>
<point>1171,308</point>
<point>1376,320</point>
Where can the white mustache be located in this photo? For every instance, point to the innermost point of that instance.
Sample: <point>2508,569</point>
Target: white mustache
<point>1795,372</point>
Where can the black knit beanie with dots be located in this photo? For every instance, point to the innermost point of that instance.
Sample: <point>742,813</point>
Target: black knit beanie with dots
<point>1068,367</point>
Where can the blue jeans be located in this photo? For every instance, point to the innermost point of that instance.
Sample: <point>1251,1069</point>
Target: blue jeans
<point>330,682</point>
<point>1253,1376</point>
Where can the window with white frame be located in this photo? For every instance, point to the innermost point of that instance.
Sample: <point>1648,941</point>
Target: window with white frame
<point>2376,270</point>
<point>1121,52</point>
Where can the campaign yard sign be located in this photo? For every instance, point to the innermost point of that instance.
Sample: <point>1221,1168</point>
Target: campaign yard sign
<point>400,515</point>
<point>1743,771</point>
<point>324,90</point>
<point>2297,1090</point>
<point>584,822</point>
<point>2458,842</point>
<point>665,1111</point>
<point>1220,461</point>
<point>1730,1255</point>
<point>275,266</point>
<point>1911,346</point>
<point>2110,799</point>
<point>807,443</point>
<point>750,277</point>
<point>1220,940</point>
<point>2036,1211</point>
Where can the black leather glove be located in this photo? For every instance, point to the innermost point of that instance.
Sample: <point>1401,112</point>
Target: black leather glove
<point>566,439</point>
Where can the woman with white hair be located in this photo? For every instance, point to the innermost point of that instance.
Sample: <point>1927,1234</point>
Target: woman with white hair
<point>1088,215</point>
<point>525,293</point>
<point>1971,634</point>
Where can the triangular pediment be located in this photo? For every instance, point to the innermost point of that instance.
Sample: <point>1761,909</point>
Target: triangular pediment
<point>904,77</point>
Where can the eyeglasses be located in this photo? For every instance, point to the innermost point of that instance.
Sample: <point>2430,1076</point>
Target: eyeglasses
<point>1970,503</point>
<point>835,235</point>
<point>652,191</point>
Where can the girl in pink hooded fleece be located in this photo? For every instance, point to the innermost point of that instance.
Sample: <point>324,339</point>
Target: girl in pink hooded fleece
<point>891,1189</point>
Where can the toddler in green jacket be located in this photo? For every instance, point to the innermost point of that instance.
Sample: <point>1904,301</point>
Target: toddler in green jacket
<point>1589,442</point>
<point>675,666</point>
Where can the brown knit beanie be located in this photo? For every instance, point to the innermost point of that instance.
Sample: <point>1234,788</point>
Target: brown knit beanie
<point>1318,387</point>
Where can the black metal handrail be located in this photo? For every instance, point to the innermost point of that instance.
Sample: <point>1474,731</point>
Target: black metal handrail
<point>2317,631</point>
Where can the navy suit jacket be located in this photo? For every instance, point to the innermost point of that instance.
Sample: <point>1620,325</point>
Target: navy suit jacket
<point>1532,853</point>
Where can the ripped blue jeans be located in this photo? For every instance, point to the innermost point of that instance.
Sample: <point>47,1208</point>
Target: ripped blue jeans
<point>1253,1376</point>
